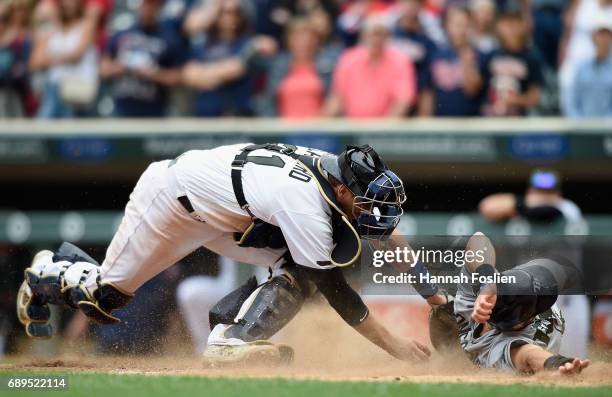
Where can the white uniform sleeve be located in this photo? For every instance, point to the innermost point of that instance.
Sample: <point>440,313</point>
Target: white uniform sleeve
<point>309,237</point>
<point>570,211</point>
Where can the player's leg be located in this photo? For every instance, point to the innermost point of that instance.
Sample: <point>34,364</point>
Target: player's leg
<point>154,234</point>
<point>247,317</point>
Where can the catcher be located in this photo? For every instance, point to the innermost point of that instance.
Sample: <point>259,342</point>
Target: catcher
<point>508,325</point>
<point>298,211</point>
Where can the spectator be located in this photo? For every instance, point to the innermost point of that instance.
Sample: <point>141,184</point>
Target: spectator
<point>372,79</point>
<point>482,13</point>
<point>577,43</point>
<point>15,44</point>
<point>68,57</point>
<point>219,69</point>
<point>454,89</point>
<point>299,79</point>
<point>142,64</point>
<point>410,38</point>
<point>593,82</point>
<point>322,19</point>
<point>512,74</point>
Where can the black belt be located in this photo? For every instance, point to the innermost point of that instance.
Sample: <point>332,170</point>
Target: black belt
<point>184,200</point>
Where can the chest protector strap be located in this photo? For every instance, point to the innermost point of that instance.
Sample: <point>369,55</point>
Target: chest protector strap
<point>242,158</point>
<point>347,241</point>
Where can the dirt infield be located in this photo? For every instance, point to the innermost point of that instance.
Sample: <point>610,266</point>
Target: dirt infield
<point>325,349</point>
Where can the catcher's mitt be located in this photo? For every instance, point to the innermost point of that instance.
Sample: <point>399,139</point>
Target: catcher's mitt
<point>443,330</point>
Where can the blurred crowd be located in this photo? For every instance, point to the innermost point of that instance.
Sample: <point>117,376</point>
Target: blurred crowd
<point>305,58</point>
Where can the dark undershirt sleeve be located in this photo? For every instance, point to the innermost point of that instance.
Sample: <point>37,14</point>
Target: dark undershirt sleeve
<point>344,299</point>
<point>545,213</point>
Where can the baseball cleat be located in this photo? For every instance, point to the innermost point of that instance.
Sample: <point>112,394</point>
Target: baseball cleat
<point>252,353</point>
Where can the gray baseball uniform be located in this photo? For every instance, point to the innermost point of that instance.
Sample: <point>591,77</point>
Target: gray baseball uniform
<point>492,349</point>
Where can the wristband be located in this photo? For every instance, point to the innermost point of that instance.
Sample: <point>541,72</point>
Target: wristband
<point>554,362</point>
<point>424,289</point>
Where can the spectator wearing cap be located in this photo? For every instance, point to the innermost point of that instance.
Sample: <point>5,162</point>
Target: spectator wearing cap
<point>592,95</point>
<point>454,86</point>
<point>511,74</point>
<point>410,38</point>
<point>16,99</point>
<point>220,69</point>
<point>542,201</point>
<point>299,79</point>
<point>372,79</point>
<point>141,63</point>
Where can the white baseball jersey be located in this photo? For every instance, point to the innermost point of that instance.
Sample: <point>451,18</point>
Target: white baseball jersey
<point>282,194</point>
<point>156,231</point>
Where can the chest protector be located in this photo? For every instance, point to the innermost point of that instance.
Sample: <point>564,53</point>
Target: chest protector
<point>347,242</point>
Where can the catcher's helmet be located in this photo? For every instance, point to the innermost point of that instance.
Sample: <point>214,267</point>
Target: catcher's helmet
<point>379,192</point>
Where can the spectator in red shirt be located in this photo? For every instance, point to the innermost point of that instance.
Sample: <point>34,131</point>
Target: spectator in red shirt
<point>298,79</point>
<point>372,79</point>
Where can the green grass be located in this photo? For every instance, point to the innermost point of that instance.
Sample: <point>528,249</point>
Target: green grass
<point>115,385</point>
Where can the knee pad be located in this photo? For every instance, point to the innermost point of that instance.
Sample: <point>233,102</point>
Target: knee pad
<point>226,310</point>
<point>268,309</point>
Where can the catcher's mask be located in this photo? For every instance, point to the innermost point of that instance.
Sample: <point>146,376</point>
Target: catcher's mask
<point>379,192</point>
